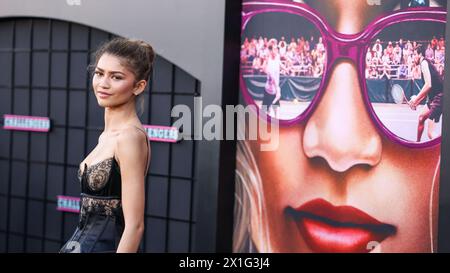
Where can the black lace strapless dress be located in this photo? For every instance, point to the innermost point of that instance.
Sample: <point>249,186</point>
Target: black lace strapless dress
<point>101,222</point>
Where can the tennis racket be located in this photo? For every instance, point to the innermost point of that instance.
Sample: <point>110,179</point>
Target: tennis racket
<point>398,94</point>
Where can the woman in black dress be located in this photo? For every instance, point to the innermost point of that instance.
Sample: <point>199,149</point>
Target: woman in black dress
<point>112,176</point>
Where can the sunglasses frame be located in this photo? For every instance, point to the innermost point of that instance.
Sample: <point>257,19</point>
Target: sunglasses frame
<point>342,46</point>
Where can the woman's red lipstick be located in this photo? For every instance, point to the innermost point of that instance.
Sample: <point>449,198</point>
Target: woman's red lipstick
<point>328,228</point>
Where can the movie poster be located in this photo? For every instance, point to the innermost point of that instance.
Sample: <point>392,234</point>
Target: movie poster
<point>355,88</point>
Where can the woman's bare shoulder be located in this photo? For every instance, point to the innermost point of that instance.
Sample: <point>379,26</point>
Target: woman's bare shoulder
<point>130,142</point>
<point>131,134</point>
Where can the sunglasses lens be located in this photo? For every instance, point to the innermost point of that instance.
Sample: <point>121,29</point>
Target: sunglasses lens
<point>282,61</point>
<point>394,71</point>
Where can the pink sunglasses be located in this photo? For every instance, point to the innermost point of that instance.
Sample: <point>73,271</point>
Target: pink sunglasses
<point>353,47</point>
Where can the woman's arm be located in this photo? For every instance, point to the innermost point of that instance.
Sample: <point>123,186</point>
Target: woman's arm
<point>132,155</point>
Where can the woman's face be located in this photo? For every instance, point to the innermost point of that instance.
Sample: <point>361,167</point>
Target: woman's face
<point>336,167</point>
<point>113,83</point>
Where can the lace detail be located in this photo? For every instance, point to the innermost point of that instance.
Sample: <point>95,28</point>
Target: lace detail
<point>108,207</point>
<point>98,174</point>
